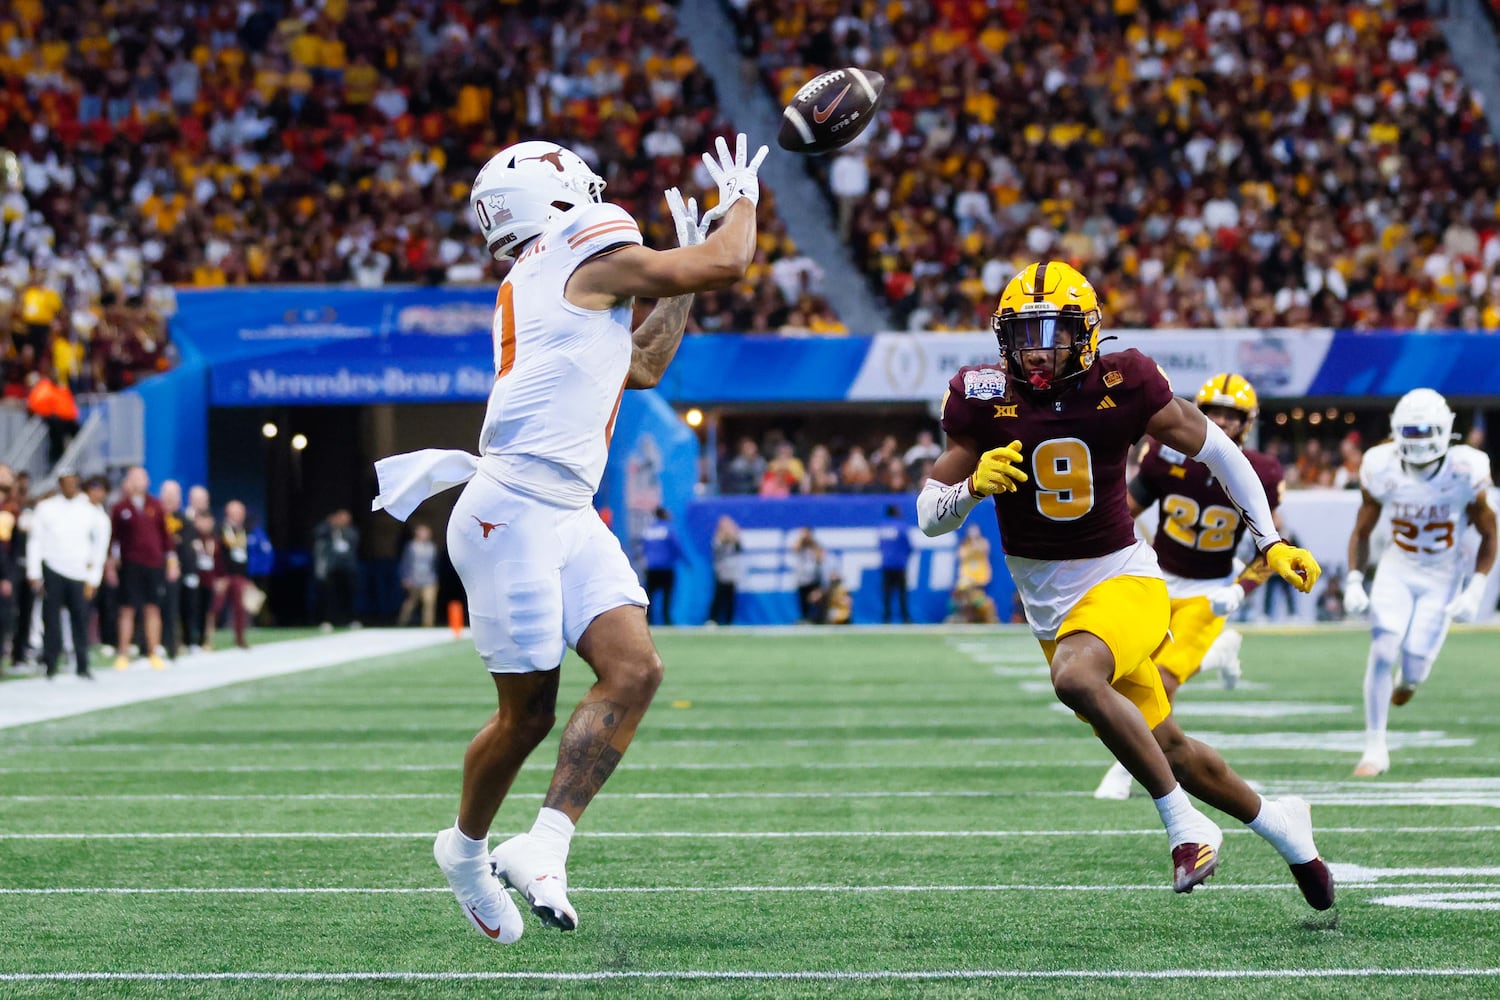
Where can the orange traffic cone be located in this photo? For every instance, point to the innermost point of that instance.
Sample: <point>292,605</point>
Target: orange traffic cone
<point>456,617</point>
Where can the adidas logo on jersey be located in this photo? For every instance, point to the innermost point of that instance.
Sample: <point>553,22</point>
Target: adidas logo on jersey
<point>1105,404</point>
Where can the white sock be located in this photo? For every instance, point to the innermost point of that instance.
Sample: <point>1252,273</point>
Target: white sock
<point>467,845</point>
<point>1414,669</point>
<point>1380,679</point>
<point>1292,841</point>
<point>554,829</point>
<point>1184,823</point>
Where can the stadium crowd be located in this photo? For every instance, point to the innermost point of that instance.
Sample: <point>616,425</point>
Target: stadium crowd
<point>1212,164</point>
<point>210,144</point>
<point>775,464</point>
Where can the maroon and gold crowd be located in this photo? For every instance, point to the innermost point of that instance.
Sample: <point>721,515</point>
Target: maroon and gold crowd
<point>1224,163</point>
<point>170,144</point>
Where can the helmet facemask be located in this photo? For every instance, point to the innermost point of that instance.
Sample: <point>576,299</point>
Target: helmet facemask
<point>1421,444</point>
<point>1422,425</point>
<point>1067,334</point>
<point>1232,394</point>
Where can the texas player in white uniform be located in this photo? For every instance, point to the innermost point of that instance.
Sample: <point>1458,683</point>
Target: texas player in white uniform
<point>540,569</point>
<point>1433,490</point>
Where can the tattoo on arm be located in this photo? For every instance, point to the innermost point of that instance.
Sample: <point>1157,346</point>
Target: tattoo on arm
<point>586,758</point>
<point>656,341</point>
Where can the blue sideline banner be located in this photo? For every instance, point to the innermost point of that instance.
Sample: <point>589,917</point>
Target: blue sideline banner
<point>240,322</point>
<point>846,526</point>
<point>411,344</point>
<point>407,368</point>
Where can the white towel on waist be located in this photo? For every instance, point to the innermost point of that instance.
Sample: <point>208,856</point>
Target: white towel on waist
<point>406,480</point>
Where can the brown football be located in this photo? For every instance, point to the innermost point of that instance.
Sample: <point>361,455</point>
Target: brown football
<point>830,110</point>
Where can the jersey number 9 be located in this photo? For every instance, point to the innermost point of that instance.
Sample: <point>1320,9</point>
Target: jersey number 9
<point>1064,472</point>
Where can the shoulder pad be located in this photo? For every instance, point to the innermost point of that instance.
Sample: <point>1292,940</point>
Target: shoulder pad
<point>1473,466</point>
<point>593,228</point>
<point>1378,463</point>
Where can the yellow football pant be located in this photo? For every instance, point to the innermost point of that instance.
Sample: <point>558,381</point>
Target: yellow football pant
<point>1129,614</point>
<point>1194,629</point>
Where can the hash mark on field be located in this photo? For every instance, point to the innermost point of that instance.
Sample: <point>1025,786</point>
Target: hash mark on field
<point>1019,671</point>
<point>917,975</point>
<point>710,834</point>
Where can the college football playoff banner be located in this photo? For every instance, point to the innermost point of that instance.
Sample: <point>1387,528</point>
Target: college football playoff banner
<point>1277,362</point>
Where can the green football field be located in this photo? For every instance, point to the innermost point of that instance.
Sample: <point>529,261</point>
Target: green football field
<point>839,813</point>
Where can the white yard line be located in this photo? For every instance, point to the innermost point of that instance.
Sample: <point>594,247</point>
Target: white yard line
<point>704,889</point>
<point>648,796</point>
<point>456,765</point>
<point>1337,741</point>
<point>37,699</point>
<point>708,835</point>
<point>645,741</point>
<point>879,975</point>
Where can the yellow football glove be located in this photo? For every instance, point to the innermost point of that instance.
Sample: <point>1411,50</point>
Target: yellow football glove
<point>997,471</point>
<point>1295,566</point>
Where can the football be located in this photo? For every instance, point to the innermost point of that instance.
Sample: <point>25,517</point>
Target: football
<point>830,110</point>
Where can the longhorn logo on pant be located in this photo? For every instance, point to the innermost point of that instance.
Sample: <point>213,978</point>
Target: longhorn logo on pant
<point>487,527</point>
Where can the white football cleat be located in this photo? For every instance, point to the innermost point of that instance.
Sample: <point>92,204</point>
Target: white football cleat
<point>483,899</point>
<point>1224,656</point>
<point>1116,783</point>
<point>1375,761</point>
<point>540,876</point>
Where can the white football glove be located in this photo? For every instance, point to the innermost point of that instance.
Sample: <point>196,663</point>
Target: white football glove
<point>734,174</point>
<point>1226,600</point>
<point>1465,607</point>
<point>1356,601</point>
<point>690,230</point>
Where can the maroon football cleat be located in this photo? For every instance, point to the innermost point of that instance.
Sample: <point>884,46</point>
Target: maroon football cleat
<point>1316,883</point>
<point>1192,864</point>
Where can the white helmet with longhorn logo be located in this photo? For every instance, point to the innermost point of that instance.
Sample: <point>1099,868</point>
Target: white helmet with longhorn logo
<point>524,187</point>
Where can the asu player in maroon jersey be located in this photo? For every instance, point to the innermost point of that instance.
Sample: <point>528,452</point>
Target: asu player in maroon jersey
<point>1046,433</point>
<point>1198,531</point>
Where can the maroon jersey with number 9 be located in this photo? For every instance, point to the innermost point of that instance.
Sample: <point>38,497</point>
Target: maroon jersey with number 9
<point>1074,448</point>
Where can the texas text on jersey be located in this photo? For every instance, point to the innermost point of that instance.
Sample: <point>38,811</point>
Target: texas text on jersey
<point>1075,446</point>
<point>1428,515</point>
<point>1200,528</point>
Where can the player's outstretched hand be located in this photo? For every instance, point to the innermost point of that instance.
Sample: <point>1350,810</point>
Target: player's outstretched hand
<point>1465,607</point>
<point>1356,601</point>
<point>1295,566</point>
<point>997,471</point>
<point>690,230</point>
<point>1226,600</point>
<point>735,175</point>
